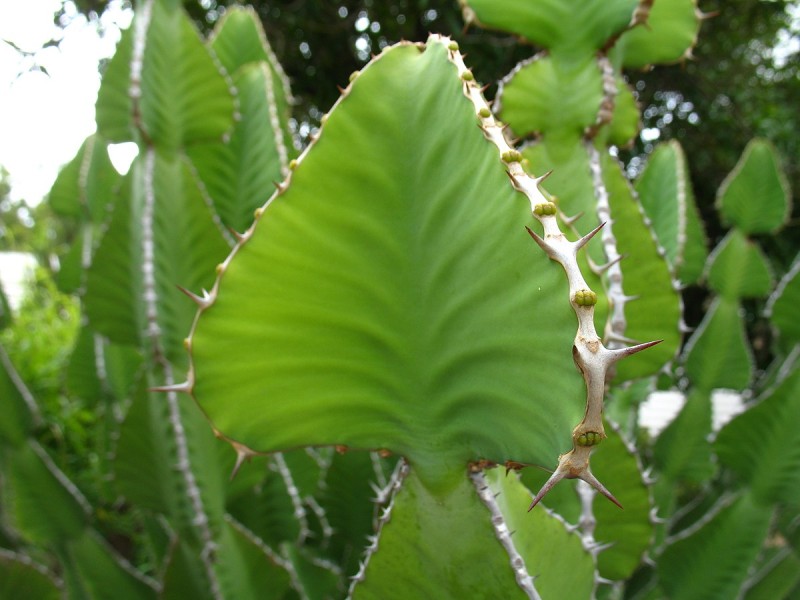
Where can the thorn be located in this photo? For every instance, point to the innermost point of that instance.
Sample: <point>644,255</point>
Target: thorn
<point>238,236</point>
<point>568,221</point>
<point>684,328</point>
<point>341,89</point>
<point>702,16</point>
<point>595,483</point>
<point>241,456</point>
<point>603,580</point>
<point>202,302</point>
<point>537,239</point>
<point>621,353</point>
<point>486,87</point>
<point>649,562</point>
<point>514,182</point>
<point>585,239</point>
<point>541,178</point>
<point>557,476</point>
<point>609,264</point>
<point>184,387</point>
<point>279,186</point>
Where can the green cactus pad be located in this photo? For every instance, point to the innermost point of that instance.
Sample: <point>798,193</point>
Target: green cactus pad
<point>755,196</point>
<point>738,268</point>
<point>387,311</point>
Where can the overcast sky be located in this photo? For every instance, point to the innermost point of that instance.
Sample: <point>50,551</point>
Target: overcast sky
<point>47,95</point>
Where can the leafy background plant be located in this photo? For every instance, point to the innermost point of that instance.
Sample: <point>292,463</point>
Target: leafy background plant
<point>417,308</point>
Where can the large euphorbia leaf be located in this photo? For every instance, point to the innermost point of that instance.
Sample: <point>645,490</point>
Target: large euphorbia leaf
<point>38,500</point>
<point>782,306</point>
<point>553,97</point>
<point>576,27</point>
<point>666,36</point>
<point>718,354</point>
<point>625,118</point>
<point>682,451</point>
<point>164,84</point>
<point>755,195</point>
<point>162,235</point>
<point>628,532</point>
<point>738,268</point>
<point>424,534</point>
<point>83,192</point>
<point>239,174</point>
<point>20,577</point>
<point>18,407</point>
<point>762,445</point>
<point>665,191</point>
<point>238,40</point>
<point>389,298</point>
<point>655,313</point>
<point>712,562</point>
<point>94,571</point>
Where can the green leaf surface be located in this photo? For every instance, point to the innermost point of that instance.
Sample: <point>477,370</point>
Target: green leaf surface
<point>712,562</point>
<point>718,354</point>
<point>239,175</point>
<point>151,468</point>
<point>668,36</point>
<point>553,555</point>
<point>682,451</point>
<point>782,305</point>
<point>626,120</point>
<point>556,98</point>
<point>38,500</point>
<point>95,569</point>
<point>173,93</point>
<point>630,531</point>
<point>84,187</point>
<point>20,578</point>
<point>245,570</point>
<point>162,236</point>
<point>425,535</point>
<point>656,312</point>
<point>17,406</point>
<point>114,108</point>
<point>755,196</point>
<point>779,579</point>
<point>384,311</point>
<point>762,445</point>
<point>185,98</point>
<point>574,27</point>
<point>738,268</point>
<point>665,191</point>
<point>571,183</point>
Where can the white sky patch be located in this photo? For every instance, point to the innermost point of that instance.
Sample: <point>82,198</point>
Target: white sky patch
<point>47,95</point>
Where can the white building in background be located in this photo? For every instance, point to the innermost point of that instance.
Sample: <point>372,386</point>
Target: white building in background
<point>661,408</point>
